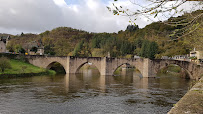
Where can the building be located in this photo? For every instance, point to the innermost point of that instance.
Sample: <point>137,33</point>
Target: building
<point>197,56</point>
<point>3,43</point>
<point>37,44</point>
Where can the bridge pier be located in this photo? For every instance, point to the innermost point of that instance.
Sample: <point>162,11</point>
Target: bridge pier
<point>104,67</point>
<point>148,71</point>
<point>109,66</point>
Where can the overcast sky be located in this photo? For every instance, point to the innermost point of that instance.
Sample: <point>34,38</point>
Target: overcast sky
<point>36,16</point>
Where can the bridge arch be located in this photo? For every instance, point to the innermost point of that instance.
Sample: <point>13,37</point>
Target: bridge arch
<point>182,68</point>
<point>182,64</point>
<point>51,64</point>
<point>186,70</point>
<point>116,68</point>
<point>81,65</point>
<point>125,63</point>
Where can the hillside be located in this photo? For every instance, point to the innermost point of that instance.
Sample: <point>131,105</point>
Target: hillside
<point>59,41</point>
<point>172,40</point>
<point>155,40</point>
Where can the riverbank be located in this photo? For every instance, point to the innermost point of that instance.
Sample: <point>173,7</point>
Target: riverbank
<point>23,69</point>
<point>192,101</point>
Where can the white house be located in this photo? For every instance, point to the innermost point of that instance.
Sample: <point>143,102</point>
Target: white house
<point>198,55</point>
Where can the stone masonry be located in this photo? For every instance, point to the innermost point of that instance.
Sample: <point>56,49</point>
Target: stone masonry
<point>107,66</point>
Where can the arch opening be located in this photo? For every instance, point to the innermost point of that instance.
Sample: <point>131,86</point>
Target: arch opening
<point>175,70</point>
<point>87,68</point>
<point>57,67</point>
<point>127,69</point>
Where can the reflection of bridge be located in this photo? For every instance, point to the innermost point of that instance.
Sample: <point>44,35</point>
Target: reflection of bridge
<point>107,66</point>
<point>75,82</point>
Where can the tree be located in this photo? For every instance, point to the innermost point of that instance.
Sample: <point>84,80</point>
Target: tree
<point>132,28</point>
<point>4,64</point>
<point>49,50</point>
<point>10,48</point>
<point>153,49</point>
<point>145,49</point>
<point>17,48</point>
<point>138,43</point>
<point>46,33</point>
<point>155,10</point>
<point>149,49</point>
<point>78,49</point>
<point>86,50</point>
<point>34,49</point>
<point>126,48</point>
<point>95,43</point>
<point>22,34</point>
<point>21,50</point>
<point>82,49</point>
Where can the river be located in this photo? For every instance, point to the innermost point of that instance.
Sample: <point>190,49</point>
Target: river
<point>89,92</point>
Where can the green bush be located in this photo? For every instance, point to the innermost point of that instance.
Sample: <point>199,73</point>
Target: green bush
<point>4,64</point>
<point>193,58</point>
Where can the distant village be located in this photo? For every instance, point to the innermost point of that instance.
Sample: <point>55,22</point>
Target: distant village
<point>31,48</point>
<point>37,48</point>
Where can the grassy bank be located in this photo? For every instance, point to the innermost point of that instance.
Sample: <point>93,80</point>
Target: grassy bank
<point>19,68</point>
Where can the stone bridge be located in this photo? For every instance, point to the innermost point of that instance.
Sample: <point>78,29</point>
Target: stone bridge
<point>107,66</point>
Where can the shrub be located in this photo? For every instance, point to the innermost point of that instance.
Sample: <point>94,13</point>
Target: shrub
<point>4,64</point>
<point>193,58</point>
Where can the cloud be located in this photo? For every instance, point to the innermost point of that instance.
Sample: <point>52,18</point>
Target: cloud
<point>36,16</point>
<point>29,15</point>
<point>60,2</point>
<point>93,16</point>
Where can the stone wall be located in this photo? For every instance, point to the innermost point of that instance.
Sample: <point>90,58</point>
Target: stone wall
<point>192,101</point>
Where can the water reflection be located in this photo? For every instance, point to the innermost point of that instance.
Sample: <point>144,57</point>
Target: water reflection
<point>88,92</point>
<point>91,80</point>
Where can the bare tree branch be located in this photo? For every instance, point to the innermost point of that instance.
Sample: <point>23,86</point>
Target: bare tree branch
<point>168,9</point>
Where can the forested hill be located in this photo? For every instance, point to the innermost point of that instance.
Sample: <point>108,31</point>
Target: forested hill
<point>155,40</point>
<point>60,41</point>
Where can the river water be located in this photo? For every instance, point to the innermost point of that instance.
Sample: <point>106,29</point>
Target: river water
<point>89,92</point>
